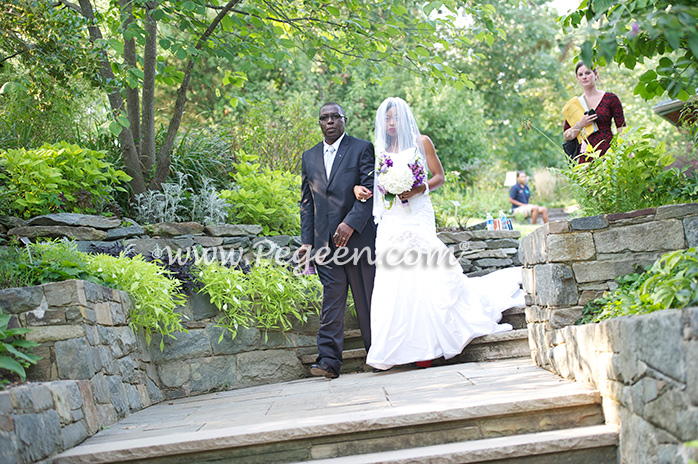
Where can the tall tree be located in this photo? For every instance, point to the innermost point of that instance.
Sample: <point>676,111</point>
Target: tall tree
<point>137,39</point>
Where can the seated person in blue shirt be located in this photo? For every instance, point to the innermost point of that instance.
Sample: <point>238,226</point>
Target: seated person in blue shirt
<point>518,197</point>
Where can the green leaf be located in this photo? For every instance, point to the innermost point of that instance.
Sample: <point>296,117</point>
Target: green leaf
<point>189,6</point>
<point>227,24</point>
<point>116,45</point>
<point>692,41</point>
<point>600,6</point>
<point>13,366</point>
<point>672,36</point>
<point>123,121</point>
<point>648,76</point>
<point>587,54</point>
<point>115,128</point>
<point>158,15</point>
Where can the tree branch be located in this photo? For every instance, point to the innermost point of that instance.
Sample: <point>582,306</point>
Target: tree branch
<point>128,146</point>
<point>67,4</point>
<point>163,157</point>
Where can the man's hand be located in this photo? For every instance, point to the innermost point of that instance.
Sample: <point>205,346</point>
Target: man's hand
<point>342,234</point>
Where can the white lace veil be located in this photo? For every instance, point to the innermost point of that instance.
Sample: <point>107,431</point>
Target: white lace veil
<point>407,137</point>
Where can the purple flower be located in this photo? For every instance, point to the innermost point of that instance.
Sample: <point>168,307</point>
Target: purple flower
<point>635,30</point>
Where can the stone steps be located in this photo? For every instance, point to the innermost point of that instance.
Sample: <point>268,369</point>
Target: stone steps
<point>553,423</point>
<point>584,445</point>
<point>505,345</point>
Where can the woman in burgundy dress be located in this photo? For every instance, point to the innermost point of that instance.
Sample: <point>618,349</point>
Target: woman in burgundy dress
<point>606,106</point>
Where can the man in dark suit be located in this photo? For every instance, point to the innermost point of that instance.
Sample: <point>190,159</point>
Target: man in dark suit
<point>335,224</point>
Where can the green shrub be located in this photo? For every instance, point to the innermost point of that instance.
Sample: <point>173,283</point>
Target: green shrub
<point>13,350</point>
<point>154,293</point>
<point>59,177</point>
<point>630,176</point>
<point>671,282</point>
<point>227,290</point>
<point>268,198</point>
<point>267,297</point>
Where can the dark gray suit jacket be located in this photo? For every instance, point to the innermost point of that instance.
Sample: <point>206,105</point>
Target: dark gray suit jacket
<point>327,202</point>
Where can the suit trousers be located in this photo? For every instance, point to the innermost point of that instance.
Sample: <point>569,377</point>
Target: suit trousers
<point>335,281</point>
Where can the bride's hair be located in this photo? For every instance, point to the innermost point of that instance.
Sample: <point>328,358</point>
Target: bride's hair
<point>408,135</point>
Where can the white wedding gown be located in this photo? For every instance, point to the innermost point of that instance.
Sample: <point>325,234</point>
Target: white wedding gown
<point>419,312</point>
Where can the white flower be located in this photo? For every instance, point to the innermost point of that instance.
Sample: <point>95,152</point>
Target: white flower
<point>397,179</point>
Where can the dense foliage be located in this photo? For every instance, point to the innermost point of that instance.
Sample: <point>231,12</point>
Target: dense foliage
<point>278,134</point>
<point>154,292</point>
<point>671,282</point>
<point>266,297</point>
<point>631,175</point>
<point>142,47</point>
<point>265,197</point>
<point>55,178</point>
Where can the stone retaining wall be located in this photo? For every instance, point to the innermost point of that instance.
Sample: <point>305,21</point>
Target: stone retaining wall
<point>569,263</point>
<point>480,252</point>
<point>91,373</point>
<point>646,368</point>
<point>566,264</point>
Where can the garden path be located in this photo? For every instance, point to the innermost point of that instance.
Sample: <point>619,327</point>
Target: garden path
<point>317,408</point>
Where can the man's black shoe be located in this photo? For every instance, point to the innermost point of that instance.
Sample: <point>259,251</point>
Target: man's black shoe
<point>319,370</point>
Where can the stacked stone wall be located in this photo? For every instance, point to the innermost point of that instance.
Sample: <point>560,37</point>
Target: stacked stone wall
<point>91,373</point>
<point>646,369</point>
<point>644,366</point>
<point>479,251</point>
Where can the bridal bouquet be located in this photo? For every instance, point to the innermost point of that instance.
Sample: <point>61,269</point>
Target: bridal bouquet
<point>398,173</point>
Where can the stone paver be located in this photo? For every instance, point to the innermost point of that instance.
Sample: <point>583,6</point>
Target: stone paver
<point>406,396</point>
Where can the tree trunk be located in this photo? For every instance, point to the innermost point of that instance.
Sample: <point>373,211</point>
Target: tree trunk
<point>132,97</point>
<point>150,54</point>
<point>164,155</point>
<point>128,147</point>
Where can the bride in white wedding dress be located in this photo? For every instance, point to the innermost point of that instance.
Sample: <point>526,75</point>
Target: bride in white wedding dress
<point>423,307</point>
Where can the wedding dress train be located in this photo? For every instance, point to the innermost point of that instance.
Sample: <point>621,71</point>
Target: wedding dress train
<point>423,311</point>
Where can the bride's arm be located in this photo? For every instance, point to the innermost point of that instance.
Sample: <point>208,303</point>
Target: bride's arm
<point>434,163</point>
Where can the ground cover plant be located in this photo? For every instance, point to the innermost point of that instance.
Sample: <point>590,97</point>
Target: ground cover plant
<point>671,282</point>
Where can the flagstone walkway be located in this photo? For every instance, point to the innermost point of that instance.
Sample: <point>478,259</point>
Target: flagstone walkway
<point>268,412</point>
